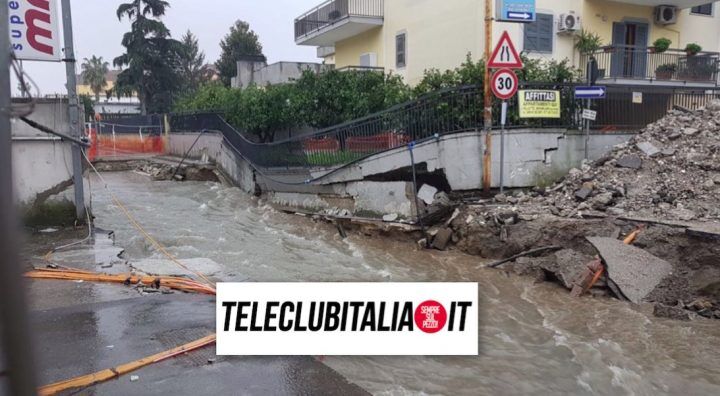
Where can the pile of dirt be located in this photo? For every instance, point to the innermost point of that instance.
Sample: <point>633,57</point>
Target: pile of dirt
<point>671,170</point>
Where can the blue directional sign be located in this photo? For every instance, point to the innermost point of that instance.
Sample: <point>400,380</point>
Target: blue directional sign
<point>593,92</point>
<point>515,10</point>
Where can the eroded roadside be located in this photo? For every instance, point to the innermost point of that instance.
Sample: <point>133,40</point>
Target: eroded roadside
<point>531,332</point>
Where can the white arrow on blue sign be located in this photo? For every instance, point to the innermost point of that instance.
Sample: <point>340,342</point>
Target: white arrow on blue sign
<point>515,10</point>
<point>523,16</point>
<point>594,92</point>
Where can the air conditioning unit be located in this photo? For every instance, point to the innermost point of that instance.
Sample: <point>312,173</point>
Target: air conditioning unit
<point>568,22</point>
<point>666,15</point>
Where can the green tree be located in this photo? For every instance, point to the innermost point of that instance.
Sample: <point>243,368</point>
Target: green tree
<point>240,43</point>
<point>152,57</point>
<point>334,97</point>
<point>93,74</point>
<point>192,64</point>
<point>209,97</point>
<point>88,107</point>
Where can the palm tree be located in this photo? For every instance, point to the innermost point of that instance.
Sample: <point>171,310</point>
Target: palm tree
<point>94,71</point>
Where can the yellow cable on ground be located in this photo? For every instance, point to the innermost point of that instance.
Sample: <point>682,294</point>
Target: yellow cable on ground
<point>139,227</point>
<point>108,374</point>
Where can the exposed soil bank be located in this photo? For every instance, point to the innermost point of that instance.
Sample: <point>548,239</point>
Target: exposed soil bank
<point>695,256</point>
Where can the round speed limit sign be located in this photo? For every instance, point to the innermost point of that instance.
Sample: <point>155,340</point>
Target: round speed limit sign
<point>504,84</point>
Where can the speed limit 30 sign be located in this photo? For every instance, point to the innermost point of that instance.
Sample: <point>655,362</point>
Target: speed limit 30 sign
<point>504,84</point>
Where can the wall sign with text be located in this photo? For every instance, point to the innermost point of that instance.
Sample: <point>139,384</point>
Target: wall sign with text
<point>35,29</point>
<point>537,103</point>
<point>378,319</point>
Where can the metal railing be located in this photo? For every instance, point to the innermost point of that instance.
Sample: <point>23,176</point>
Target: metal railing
<point>333,11</point>
<point>441,113</point>
<point>633,62</point>
<point>378,69</point>
<point>445,111</point>
<point>151,124</point>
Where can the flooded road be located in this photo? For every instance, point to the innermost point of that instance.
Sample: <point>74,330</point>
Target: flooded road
<point>533,337</point>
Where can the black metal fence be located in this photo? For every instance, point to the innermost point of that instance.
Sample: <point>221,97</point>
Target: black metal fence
<point>334,11</point>
<point>441,113</point>
<point>633,62</point>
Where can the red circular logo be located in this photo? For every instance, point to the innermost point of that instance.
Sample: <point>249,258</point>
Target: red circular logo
<point>430,316</point>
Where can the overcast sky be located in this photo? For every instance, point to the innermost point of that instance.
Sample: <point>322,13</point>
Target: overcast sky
<point>98,31</point>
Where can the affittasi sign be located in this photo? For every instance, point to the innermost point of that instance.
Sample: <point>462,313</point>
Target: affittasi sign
<point>536,103</point>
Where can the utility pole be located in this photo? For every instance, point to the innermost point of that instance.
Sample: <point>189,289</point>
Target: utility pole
<point>18,356</point>
<point>487,154</point>
<point>73,111</point>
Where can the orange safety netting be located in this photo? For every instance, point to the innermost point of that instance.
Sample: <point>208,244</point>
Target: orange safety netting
<point>109,146</point>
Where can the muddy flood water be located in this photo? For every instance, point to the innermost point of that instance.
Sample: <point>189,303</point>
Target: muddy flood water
<point>534,338</point>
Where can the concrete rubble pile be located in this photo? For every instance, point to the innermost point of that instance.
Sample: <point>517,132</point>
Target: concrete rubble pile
<point>162,171</point>
<point>671,170</point>
<point>664,185</point>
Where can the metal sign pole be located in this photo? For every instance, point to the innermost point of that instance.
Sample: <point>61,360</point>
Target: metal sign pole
<point>73,111</point>
<point>487,111</point>
<point>503,118</point>
<point>589,79</point>
<point>17,348</point>
<point>587,132</point>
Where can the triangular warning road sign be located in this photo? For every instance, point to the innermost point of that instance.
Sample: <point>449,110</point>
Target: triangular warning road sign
<point>505,55</point>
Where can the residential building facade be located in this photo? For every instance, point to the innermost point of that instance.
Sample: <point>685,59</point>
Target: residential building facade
<point>407,37</point>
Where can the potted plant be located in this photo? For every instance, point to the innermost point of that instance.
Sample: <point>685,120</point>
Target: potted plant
<point>666,71</point>
<point>692,49</point>
<point>587,43</point>
<point>660,45</point>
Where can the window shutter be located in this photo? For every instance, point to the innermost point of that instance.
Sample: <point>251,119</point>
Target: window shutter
<point>545,34</point>
<point>538,35</point>
<point>400,44</point>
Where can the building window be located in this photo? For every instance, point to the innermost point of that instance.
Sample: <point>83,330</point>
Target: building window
<point>705,9</point>
<point>538,35</point>
<point>400,50</point>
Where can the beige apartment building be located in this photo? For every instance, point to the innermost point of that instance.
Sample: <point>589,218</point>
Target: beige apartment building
<point>407,37</point>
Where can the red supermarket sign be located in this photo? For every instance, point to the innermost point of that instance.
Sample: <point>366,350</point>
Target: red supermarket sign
<point>35,29</point>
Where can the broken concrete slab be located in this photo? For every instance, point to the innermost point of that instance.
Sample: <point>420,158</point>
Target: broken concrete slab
<point>690,131</point>
<point>583,193</point>
<point>635,271</point>
<point>704,231</point>
<point>568,266</point>
<point>669,152</point>
<point>648,148</point>
<point>391,217</point>
<point>427,194</point>
<point>162,267</point>
<point>630,161</point>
